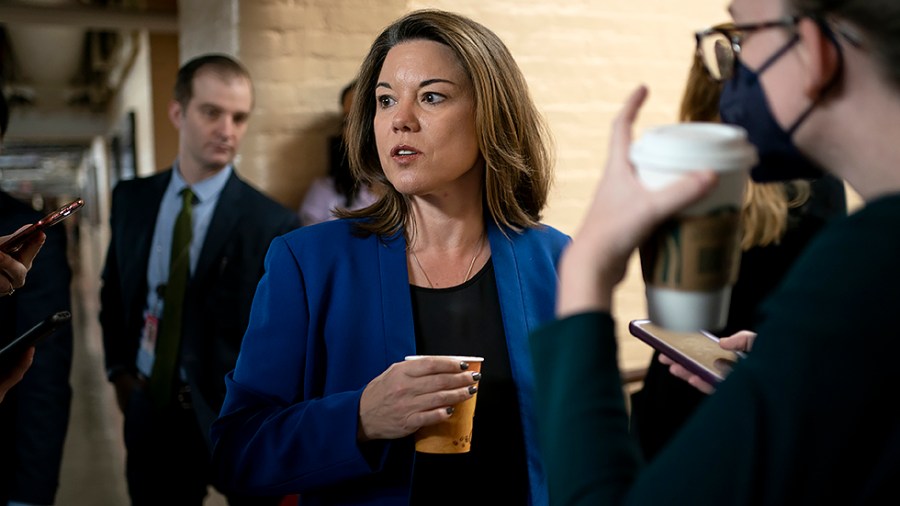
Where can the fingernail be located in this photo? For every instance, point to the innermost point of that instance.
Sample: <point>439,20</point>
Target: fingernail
<point>476,376</point>
<point>463,365</point>
<point>450,410</point>
<point>472,390</point>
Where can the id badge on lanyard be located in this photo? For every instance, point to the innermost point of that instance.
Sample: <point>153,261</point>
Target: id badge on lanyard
<point>147,350</point>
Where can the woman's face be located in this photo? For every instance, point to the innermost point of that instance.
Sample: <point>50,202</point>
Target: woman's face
<point>425,121</point>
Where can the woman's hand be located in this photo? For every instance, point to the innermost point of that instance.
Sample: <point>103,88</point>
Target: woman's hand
<point>14,267</point>
<point>413,394</point>
<point>622,215</point>
<point>741,341</point>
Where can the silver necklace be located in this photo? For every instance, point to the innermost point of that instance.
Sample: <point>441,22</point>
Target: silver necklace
<point>468,271</point>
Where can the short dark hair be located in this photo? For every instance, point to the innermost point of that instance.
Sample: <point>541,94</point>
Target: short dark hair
<point>4,114</point>
<point>222,64</point>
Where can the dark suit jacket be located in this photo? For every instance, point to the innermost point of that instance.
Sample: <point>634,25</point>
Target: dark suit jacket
<point>34,415</point>
<point>219,294</point>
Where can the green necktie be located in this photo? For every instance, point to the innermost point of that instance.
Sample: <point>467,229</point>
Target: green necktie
<point>168,341</point>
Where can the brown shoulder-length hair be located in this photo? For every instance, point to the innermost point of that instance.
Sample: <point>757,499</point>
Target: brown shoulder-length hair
<point>764,214</point>
<point>512,137</point>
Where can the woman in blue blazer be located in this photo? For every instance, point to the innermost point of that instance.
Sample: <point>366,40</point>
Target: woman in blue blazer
<point>451,260</point>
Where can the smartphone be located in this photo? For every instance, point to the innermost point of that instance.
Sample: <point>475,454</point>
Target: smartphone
<point>699,352</point>
<point>16,242</point>
<point>12,352</point>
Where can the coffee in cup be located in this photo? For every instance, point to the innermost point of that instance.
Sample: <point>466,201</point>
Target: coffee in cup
<point>453,435</point>
<point>691,262</point>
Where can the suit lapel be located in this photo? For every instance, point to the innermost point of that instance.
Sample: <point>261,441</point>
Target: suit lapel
<point>139,230</point>
<point>223,223</point>
<point>135,234</point>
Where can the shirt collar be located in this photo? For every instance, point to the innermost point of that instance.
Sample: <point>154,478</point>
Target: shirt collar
<point>205,189</point>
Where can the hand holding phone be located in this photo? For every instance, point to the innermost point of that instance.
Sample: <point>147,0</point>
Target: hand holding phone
<point>25,235</point>
<point>11,354</point>
<point>698,352</point>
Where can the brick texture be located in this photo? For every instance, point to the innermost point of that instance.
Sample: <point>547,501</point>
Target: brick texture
<point>581,58</point>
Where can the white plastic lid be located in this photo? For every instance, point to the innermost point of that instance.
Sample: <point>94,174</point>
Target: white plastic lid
<point>462,358</point>
<point>694,146</point>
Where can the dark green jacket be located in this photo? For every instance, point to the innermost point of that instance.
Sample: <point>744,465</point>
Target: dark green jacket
<point>808,418</point>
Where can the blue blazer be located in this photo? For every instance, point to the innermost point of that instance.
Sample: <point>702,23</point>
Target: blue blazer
<point>332,312</point>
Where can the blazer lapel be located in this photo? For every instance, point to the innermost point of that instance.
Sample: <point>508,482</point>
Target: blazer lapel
<point>399,331</point>
<point>223,223</point>
<point>138,231</point>
<point>512,297</point>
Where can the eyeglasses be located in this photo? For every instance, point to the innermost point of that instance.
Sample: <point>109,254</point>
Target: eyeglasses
<point>719,47</point>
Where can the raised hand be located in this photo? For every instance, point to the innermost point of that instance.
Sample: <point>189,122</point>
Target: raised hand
<point>622,215</point>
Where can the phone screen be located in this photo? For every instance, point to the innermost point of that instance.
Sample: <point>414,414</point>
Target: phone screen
<point>16,242</point>
<point>698,352</point>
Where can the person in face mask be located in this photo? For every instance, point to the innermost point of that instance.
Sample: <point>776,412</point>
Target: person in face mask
<point>778,220</point>
<point>803,418</point>
<point>743,103</point>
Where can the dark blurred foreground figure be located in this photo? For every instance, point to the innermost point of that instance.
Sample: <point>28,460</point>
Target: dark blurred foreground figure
<point>34,415</point>
<point>805,418</point>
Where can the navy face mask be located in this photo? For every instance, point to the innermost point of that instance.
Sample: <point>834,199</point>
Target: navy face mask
<point>743,103</point>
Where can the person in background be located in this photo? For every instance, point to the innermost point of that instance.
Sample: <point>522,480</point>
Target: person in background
<point>779,219</point>
<point>186,252</point>
<point>451,260</point>
<point>340,189</point>
<point>803,419</point>
<point>34,414</point>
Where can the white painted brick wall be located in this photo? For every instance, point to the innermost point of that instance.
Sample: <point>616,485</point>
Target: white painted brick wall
<point>581,58</point>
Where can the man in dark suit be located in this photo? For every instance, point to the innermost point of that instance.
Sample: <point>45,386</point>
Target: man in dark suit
<point>167,416</point>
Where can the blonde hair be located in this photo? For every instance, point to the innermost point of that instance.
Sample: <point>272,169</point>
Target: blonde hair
<point>512,137</point>
<point>764,214</point>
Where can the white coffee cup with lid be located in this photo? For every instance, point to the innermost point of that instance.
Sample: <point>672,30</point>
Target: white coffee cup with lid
<point>691,262</point>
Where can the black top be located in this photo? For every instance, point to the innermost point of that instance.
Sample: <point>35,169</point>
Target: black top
<point>466,320</point>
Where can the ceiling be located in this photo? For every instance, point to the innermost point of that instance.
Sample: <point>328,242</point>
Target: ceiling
<point>61,62</point>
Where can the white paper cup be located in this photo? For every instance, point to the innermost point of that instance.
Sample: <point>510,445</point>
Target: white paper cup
<point>691,262</point>
<point>455,434</point>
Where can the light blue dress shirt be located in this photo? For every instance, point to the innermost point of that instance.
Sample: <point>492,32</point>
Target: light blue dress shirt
<point>206,196</point>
